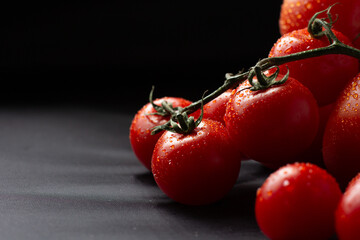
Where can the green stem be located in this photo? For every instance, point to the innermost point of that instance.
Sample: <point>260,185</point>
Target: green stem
<point>336,47</point>
<point>229,83</point>
<point>315,29</point>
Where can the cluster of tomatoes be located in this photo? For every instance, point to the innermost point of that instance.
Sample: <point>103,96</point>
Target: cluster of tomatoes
<point>313,117</point>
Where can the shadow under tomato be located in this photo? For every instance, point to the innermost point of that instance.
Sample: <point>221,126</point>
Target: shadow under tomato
<point>145,178</point>
<point>253,171</point>
<point>233,215</point>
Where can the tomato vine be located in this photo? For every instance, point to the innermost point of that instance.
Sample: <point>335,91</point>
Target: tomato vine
<point>317,27</point>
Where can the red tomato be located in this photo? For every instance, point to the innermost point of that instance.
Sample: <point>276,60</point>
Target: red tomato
<point>298,201</point>
<point>141,140</point>
<point>348,212</point>
<point>295,14</point>
<point>198,168</point>
<point>272,126</point>
<point>325,76</point>
<point>313,154</point>
<point>215,110</point>
<point>342,135</point>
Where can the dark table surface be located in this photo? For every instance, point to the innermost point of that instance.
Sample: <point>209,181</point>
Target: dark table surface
<point>70,173</point>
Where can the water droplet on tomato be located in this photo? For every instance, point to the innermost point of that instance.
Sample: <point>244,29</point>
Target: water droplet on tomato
<point>286,183</point>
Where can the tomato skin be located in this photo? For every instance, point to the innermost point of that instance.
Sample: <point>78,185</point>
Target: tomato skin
<point>342,135</point>
<point>216,108</point>
<point>298,201</point>
<point>295,14</point>
<point>198,168</point>
<point>272,126</point>
<point>142,142</point>
<point>313,154</point>
<point>326,75</point>
<point>348,212</point>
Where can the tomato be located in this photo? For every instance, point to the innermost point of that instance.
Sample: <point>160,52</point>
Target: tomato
<point>215,109</point>
<point>197,168</point>
<point>141,140</point>
<point>313,154</point>
<point>342,135</point>
<point>272,126</point>
<point>295,14</point>
<point>298,201</point>
<point>326,75</point>
<point>347,217</point>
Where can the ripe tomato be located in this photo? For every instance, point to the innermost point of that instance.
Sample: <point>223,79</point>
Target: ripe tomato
<point>325,76</point>
<point>295,14</point>
<point>313,154</point>
<point>342,135</point>
<point>198,168</point>
<point>215,109</point>
<point>141,140</point>
<point>347,215</point>
<point>272,126</point>
<point>298,201</point>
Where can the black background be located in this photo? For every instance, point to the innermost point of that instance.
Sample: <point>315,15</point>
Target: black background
<point>111,53</point>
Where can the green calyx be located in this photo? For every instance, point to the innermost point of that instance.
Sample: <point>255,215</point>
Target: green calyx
<point>264,82</point>
<point>179,121</point>
<point>183,124</point>
<point>165,109</point>
<point>319,27</point>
